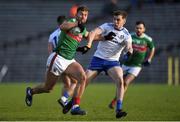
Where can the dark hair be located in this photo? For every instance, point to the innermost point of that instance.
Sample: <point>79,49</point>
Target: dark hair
<point>61,19</point>
<point>82,8</point>
<point>140,22</point>
<point>119,12</point>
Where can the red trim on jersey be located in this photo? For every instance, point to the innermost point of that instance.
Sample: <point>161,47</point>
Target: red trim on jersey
<point>77,38</point>
<point>52,61</point>
<point>139,47</point>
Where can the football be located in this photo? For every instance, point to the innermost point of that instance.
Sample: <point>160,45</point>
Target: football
<point>75,30</point>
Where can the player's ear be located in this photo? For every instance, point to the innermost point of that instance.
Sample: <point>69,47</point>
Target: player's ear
<point>144,29</point>
<point>124,21</point>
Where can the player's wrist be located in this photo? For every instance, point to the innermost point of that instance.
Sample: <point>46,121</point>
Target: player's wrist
<point>88,45</point>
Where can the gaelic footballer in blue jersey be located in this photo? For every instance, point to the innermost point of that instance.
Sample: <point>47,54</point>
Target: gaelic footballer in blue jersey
<point>106,57</point>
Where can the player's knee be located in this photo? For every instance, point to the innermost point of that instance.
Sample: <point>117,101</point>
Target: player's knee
<point>125,84</point>
<point>120,81</point>
<point>82,77</point>
<point>67,85</point>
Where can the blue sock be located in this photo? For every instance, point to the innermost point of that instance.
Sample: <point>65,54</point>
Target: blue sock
<point>119,105</point>
<point>66,94</point>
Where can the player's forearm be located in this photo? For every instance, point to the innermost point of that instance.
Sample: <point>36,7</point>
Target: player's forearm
<point>91,37</point>
<point>129,47</point>
<point>68,25</point>
<point>98,38</point>
<point>151,54</point>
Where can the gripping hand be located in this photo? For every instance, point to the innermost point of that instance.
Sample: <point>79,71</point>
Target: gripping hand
<point>83,49</point>
<point>110,36</point>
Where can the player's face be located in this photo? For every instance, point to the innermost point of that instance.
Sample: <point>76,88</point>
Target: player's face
<point>119,21</point>
<point>140,29</point>
<point>82,16</point>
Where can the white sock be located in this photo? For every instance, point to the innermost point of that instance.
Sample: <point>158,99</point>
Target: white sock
<point>75,106</point>
<point>64,99</point>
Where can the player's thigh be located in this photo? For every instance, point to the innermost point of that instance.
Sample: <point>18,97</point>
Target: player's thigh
<point>90,75</point>
<point>51,80</point>
<point>116,73</point>
<point>76,71</point>
<point>134,70</point>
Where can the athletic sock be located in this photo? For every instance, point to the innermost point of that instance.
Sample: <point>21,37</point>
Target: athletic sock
<point>119,105</point>
<point>113,102</point>
<point>76,102</point>
<point>65,97</point>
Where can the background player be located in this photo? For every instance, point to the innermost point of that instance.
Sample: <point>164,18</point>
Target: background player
<point>54,36</point>
<point>141,42</point>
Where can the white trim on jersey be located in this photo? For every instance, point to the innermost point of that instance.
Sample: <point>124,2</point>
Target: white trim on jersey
<point>54,37</point>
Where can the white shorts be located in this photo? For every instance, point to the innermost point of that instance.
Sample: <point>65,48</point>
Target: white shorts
<point>57,64</point>
<point>134,70</point>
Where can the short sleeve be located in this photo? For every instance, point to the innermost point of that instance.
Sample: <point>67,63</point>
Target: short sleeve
<point>150,43</point>
<point>104,27</point>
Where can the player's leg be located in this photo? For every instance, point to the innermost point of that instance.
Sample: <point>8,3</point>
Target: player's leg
<point>66,85</point>
<point>131,74</point>
<point>50,81</point>
<point>76,71</point>
<point>127,80</point>
<point>51,77</point>
<point>90,74</point>
<point>72,86</point>
<point>68,90</point>
<point>66,82</point>
<point>116,73</point>
<point>46,87</point>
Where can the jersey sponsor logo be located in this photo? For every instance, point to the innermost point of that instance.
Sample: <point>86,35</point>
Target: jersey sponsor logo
<point>140,48</point>
<point>77,37</point>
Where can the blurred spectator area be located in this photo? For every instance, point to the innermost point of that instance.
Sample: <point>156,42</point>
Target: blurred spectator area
<point>25,27</point>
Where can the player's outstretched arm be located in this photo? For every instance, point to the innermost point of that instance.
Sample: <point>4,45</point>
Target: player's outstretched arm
<point>94,35</point>
<point>68,25</point>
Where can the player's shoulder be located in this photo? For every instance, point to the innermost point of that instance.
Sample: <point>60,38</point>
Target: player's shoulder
<point>148,38</point>
<point>125,31</point>
<point>55,33</point>
<point>107,24</point>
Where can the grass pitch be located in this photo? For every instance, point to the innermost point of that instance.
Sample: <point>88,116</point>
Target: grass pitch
<point>142,102</point>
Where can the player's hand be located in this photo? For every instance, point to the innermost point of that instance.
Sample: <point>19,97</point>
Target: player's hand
<point>83,49</point>
<point>81,26</point>
<point>146,63</point>
<point>110,36</point>
<point>126,56</point>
